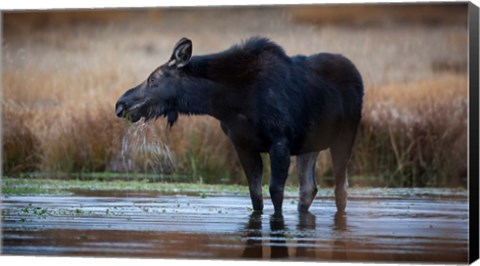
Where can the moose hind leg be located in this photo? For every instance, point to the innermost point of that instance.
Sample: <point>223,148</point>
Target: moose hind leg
<point>341,151</point>
<point>253,166</point>
<point>308,185</point>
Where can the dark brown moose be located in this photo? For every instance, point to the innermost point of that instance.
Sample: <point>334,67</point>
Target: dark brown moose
<point>266,102</point>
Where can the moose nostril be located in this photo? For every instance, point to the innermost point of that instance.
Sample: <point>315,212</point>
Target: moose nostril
<point>119,108</point>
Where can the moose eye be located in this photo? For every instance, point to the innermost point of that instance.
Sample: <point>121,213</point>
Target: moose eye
<point>151,79</point>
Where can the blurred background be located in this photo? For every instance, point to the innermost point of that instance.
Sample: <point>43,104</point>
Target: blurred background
<point>62,72</point>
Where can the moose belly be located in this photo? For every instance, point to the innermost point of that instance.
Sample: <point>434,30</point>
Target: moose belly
<point>244,134</point>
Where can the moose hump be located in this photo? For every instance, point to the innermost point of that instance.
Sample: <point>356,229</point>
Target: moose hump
<point>240,64</point>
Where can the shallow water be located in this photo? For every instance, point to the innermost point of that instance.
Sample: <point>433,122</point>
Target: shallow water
<point>424,228</point>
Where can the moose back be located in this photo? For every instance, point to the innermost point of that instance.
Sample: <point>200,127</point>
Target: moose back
<point>266,102</point>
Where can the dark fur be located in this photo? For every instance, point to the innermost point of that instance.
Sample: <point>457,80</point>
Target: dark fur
<point>265,100</point>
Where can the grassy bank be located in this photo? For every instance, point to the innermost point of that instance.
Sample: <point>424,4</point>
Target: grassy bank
<point>26,186</point>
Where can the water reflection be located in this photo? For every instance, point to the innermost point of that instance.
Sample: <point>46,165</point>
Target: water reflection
<point>275,246</point>
<point>278,243</point>
<point>277,240</point>
<point>339,226</point>
<point>306,226</point>
<point>253,229</point>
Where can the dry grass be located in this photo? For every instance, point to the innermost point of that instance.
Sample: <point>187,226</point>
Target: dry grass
<point>415,133</point>
<point>60,85</point>
<point>20,144</point>
<point>381,14</point>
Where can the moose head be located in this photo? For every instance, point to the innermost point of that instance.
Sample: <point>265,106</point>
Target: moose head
<point>157,95</point>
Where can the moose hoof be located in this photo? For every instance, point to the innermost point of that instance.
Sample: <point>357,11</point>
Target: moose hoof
<point>303,208</point>
<point>258,207</point>
<point>257,212</point>
<point>306,199</point>
<point>341,199</point>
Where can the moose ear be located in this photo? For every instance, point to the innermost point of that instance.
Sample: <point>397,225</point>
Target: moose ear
<point>181,53</point>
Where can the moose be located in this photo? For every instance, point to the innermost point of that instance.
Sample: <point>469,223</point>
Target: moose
<point>266,102</point>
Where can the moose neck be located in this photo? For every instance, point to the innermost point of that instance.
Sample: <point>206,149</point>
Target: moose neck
<point>206,91</point>
<point>193,98</point>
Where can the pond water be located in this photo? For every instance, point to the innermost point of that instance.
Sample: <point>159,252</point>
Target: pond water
<point>417,228</point>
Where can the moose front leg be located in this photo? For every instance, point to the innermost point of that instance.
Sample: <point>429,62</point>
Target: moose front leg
<point>253,166</point>
<point>279,162</point>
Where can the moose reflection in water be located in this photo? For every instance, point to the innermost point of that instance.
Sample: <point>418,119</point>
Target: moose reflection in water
<point>275,245</point>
